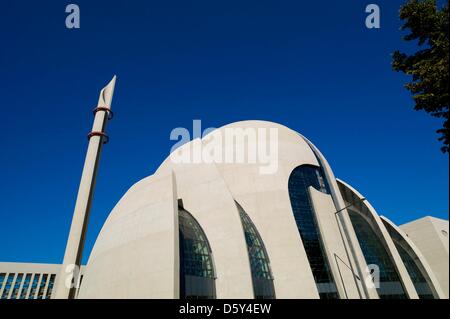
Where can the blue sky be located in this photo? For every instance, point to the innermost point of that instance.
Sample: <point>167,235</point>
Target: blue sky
<point>312,66</point>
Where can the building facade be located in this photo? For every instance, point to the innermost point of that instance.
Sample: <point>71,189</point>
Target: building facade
<point>200,229</point>
<point>28,280</point>
<point>218,229</point>
<point>430,237</point>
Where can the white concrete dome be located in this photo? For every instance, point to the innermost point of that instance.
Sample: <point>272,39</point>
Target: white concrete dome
<point>137,253</point>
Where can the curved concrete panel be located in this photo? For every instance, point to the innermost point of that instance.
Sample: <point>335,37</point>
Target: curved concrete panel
<point>265,198</point>
<point>354,256</point>
<point>402,239</point>
<point>367,211</point>
<point>206,196</point>
<point>136,252</point>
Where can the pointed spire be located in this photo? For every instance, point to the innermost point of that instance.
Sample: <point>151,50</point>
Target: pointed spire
<point>80,219</point>
<point>106,94</point>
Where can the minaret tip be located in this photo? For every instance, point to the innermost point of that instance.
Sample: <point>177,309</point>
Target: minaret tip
<point>106,94</point>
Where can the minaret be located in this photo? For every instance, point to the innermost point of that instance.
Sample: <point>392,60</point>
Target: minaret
<point>75,242</point>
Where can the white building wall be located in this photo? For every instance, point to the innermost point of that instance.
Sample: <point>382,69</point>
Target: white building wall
<point>136,252</point>
<point>402,239</point>
<point>431,237</point>
<point>332,238</point>
<point>265,198</point>
<point>206,197</point>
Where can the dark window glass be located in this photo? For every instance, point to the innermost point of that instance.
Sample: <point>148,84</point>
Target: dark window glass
<point>8,284</point>
<point>259,260</point>
<point>197,279</point>
<point>34,286</point>
<point>50,286</point>
<point>301,178</point>
<point>375,253</point>
<point>17,283</point>
<point>419,281</point>
<point>42,287</point>
<point>26,284</point>
<point>2,279</point>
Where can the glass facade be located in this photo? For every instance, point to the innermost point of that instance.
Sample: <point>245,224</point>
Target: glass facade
<point>259,260</point>
<point>16,286</point>
<point>42,285</point>
<point>26,284</point>
<point>300,179</point>
<point>197,278</point>
<point>420,283</point>
<point>375,253</point>
<point>34,285</point>
<point>2,279</point>
<point>8,279</point>
<point>50,287</point>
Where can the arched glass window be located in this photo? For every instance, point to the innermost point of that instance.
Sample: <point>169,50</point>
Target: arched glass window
<point>196,263</point>
<point>259,260</point>
<point>420,283</point>
<point>301,178</point>
<point>375,253</point>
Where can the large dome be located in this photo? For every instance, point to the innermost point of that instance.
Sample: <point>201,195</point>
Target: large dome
<point>232,227</point>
